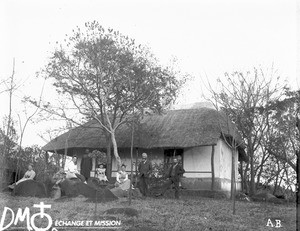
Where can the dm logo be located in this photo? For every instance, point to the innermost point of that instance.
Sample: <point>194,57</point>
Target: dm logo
<point>30,221</point>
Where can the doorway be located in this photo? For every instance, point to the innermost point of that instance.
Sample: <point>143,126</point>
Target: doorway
<point>169,154</point>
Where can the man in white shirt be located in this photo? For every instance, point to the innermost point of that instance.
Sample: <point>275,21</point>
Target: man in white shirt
<point>72,171</point>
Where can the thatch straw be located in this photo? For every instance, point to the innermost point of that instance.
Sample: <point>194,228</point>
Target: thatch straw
<point>174,129</point>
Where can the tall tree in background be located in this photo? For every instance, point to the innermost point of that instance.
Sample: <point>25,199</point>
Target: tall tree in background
<point>106,76</point>
<point>284,139</point>
<point>10,88</point>
<point>243,96</point>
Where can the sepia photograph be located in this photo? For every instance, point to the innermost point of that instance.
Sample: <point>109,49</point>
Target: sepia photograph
<point>149,115</point>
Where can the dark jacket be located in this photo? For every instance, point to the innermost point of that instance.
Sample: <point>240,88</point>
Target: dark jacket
<point>145,168</point>
<point>86,166</point>
<point>178,171</point>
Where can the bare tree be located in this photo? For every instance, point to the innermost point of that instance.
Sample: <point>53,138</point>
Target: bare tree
<point>243,96</point>
<point>97,70</point>
<point>10,89</point>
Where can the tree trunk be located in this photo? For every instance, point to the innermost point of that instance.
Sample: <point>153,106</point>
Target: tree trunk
<point>108,158</point>
<point>252,179</point>
<point>260,171</point>
<point>252,175</point>
<point>242,177</point>
<point>136,167</point>
<point>116,154</point>
<point>131,163</point>
<point>258,176</point>
<point>280,181</point>
<point>277,176</point>
<point>275,185</point>
<point>8,129</point>
<point>245,178</point>
<point>47,160</point>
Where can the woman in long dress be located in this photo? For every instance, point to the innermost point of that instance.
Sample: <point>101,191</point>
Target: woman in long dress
<point>29,175</point>
<point>122,180</point>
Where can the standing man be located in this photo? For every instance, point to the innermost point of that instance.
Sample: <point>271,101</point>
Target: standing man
<point>174,174</point>
<point>86,165</point>
<point>145,168</point>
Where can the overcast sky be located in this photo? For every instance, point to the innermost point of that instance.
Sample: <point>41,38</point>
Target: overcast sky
<point>208,37</point>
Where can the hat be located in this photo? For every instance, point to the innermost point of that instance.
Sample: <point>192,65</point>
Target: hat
<point>144,155</point>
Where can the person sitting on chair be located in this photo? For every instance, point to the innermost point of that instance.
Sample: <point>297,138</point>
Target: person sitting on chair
<point>72,171</point>
<point>59,176</point>
<point>122,178</point>
<point>174,174</point>
<point>100,173</point>
<point>29,175</point>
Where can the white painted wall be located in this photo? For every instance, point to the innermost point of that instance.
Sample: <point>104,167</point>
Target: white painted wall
<point>199,159</point>
<point>226,160</point>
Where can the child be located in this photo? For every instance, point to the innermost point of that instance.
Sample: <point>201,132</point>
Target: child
<point>100,173</point>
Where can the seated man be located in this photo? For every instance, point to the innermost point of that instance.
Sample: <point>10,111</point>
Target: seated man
<point>59,176</point>
<point>174,174</point>
<point>71,170</point>
<point>100,173</point>
<point>29,175</point>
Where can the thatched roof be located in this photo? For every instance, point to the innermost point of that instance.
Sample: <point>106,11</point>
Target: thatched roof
<point>174,129</point>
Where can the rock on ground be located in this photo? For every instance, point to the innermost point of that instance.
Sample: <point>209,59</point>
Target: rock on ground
<point>30,188</point>
<point>75,188</point>
<point>268,197</point>
<point>130,212</point>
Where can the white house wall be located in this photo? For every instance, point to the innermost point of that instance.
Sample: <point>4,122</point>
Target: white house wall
<point>226,166</point>
<point>226,160</point>
<point>198,159</point>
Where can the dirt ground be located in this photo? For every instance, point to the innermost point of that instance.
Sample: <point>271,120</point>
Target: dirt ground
<point>187,213</point>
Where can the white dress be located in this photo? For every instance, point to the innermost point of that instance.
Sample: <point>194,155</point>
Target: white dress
<point>122,180</point>
<point>100,173</point>
<point>29,175</point>
<point>70,170</point>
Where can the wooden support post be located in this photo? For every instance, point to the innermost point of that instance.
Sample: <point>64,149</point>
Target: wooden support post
<point>233,181</point>
<point>212,168</point>
<point>136,167</point>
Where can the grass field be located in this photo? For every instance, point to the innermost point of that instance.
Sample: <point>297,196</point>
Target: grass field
<point>188,213</point>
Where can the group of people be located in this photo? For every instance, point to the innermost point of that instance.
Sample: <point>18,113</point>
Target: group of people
<point>71,169</point>
<point>144,172</point>
<point>173,176</point>
<point>122,180</point>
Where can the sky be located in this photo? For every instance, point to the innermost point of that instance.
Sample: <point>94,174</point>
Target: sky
<point>208,37</point>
